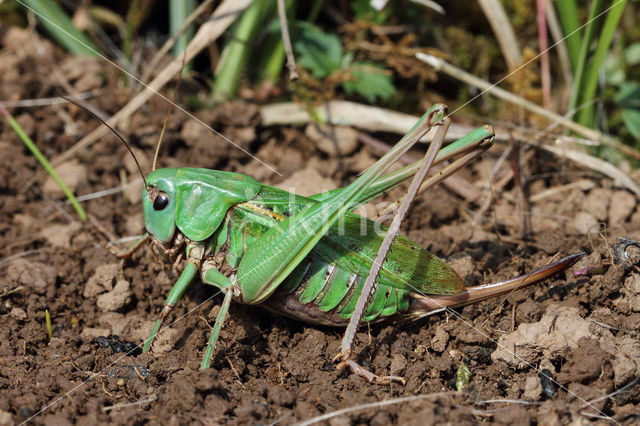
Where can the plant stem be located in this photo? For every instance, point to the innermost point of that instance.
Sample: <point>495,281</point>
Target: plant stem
<point>561,45</point>
<point>128,36</point>
<point>503,30</point>
<point>236,53</point>
<point>47,320</point>
<point>171,41</point>
<point>579,69</point>
<point>586,116</point>
<point>179,12</point>
<point>58,24</point>
<point>43,161</point>
<point>568,13</point>
<point>286,40</point>
<point>543,40</point>
<point>315,10</point>
<point>273,55</point>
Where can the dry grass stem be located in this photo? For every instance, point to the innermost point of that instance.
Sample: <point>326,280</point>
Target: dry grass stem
<point>503,30</point>
<point>492,89</point>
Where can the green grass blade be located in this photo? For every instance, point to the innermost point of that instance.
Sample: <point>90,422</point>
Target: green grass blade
<point>236,53</point>
<point>272,58</point>
<point>568,14</point>
<point>43,161</point>
<point>47,320</point>
<point>578,75</point>
<point>128,35</point>
<point>179,11</point>
<point>315,9</point>
<point>59,25</point>
<point>586,116</point>
<point>130,29</point>
<point>270,68</point>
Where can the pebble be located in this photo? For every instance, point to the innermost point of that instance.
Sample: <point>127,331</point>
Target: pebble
<point>631,290</point>
<point>622,204</point>
<point>116,298</point>
<point>585,223</point>
<point>439,340</point>
<point>18,314</point>
<point>36,276</point>
<point>102,280</point>
<point>307,182</point>
<point>164,341</point>
<point>597,203</point>
<point>93,333</point>
<point>6,419</point>
<point>462,263</point>
<point>532,389</point>
<point>398,365</point>
<point>117,345</point>
<point>134,224</point>
<point>72,174</point>
<point>59,235</point>
<point>333,140</point>
<point>28,124</point>
<point>115,321</point>
<point>548,382</point>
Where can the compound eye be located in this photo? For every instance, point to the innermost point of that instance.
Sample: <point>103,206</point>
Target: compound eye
<point>161,202</point>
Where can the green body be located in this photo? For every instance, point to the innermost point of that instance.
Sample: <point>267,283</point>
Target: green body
<point>306,257</point>
<point>230,212</point>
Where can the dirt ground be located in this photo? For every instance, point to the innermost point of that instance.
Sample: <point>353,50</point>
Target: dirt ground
<point>576,336</point>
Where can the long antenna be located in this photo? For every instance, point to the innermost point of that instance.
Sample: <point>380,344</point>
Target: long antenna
<point>114,131</point>
<point>166,118</point>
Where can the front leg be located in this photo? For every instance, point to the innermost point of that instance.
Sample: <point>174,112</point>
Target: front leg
<point>195,253</point>
<point>212,276</point>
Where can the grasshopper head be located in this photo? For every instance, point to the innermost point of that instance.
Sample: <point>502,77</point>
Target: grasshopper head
<point>159,204</point>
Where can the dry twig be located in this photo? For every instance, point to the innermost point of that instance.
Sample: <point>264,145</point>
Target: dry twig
<point>286,41</point>
<point>501,26</point>
<point>492,89</point>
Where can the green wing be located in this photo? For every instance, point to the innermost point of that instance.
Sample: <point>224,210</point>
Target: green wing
<point>352,245</point>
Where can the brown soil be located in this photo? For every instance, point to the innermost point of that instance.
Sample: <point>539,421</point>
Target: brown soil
<point>580,331</point>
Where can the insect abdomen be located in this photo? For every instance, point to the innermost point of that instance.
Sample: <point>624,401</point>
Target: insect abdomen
<point>324,293</point>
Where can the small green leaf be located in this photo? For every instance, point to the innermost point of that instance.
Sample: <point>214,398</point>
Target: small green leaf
<point>631,119</point>
<point>628,96</point>
<point>319,52</point>
<point>463,376</point>
<point>370,81</point>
